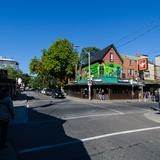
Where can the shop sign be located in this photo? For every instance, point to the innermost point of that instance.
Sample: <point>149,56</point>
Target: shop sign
<point>142,64</point>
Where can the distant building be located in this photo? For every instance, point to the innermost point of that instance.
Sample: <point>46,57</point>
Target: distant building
<point>149,70</point>
<point>149,74</point>
<point>5,62</point>
<point>157,67</point>
<point>130,67</point>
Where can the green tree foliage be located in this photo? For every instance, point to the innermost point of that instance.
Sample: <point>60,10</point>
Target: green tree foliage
<point>25,79</point>
<point>35,66</point>
<point>13,73</point>
<point>84,56</point>
<point>56,65</point>
<point>60,60</point>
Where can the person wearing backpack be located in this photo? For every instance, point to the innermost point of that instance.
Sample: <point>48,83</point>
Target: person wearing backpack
<point>6,113</point>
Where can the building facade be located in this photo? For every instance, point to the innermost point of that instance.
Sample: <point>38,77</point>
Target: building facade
<point>157,68</point>
<point>5,62</point>
<point>130,67</point>
<point>107,64</point>
<point>119,76</point>
<point>105,73</point>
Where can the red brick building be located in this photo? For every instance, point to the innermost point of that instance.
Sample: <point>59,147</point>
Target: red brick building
<point>130,67</point>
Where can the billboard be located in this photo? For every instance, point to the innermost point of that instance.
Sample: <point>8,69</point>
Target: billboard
<point>143,64</point>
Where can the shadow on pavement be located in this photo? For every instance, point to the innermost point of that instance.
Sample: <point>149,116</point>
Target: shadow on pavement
<point>44,138</point>
<point>51,103</point>
<point>23,96</point>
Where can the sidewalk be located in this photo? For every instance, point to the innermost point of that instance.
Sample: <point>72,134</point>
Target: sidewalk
<point>106,101</point>
<point>153,115</point>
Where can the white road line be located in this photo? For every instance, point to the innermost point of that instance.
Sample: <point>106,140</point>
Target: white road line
<point>116,111</point>
<point>119,133</point>
<point>86,139</point>
<point>105,107</point>
<point>96,115</point>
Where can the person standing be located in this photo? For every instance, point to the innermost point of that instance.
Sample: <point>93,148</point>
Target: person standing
<point>6,113</point>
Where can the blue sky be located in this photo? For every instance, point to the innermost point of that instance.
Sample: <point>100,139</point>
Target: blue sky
<point>27,26</point>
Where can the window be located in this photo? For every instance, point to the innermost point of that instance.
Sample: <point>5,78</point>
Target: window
<point>101,70</point>
<point>130,72</point>
<point>135,72</point>
<point>123,75</point>
<point>147,74</point>
<point>111,57</point>
<point>130,62</point>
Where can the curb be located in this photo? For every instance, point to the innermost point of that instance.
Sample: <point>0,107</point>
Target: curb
<point>153,116</point>
<point>105,101</point>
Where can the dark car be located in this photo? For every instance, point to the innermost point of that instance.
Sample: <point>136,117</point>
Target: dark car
<point>49,92</point>
<point>57,93</point>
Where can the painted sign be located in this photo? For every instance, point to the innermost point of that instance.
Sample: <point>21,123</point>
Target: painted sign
<point>143,64</point>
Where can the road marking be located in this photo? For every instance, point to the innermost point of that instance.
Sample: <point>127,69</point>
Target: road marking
<point>119,133</point>
<point>105,107</point>
<point>86,139</point>
<point>96,115</point>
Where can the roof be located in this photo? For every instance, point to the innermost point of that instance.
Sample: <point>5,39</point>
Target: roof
<point>105,81</point>
<point>101,54</point>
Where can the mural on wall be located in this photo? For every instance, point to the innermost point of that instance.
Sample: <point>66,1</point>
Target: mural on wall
<point>94,71</point>
<point>103,70</point>
<point>111,70</point>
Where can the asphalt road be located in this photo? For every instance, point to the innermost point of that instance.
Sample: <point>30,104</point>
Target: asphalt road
<point>64,129</point>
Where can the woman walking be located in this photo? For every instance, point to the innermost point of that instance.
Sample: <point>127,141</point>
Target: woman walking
<point>6,113</point>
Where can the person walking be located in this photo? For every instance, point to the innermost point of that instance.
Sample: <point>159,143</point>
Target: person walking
<point>100,94</point>
<point>6,113</point>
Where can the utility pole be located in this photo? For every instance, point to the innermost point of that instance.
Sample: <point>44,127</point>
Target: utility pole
<point>90,80</point>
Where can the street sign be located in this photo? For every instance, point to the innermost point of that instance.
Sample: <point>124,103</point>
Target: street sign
<point>90,83</point>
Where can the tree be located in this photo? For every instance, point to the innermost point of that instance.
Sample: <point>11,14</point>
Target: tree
<point>56,65</point>
<point>59,60</point>
<point>13,73</point>
<point>25,79</point>
<point>84,56</point>
<point>35,66</point>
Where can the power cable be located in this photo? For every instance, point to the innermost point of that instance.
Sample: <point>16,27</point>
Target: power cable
<point>138,36</point>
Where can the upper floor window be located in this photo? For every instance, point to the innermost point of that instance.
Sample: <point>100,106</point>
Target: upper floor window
<point>111,57</point>
<point>130,72</point>
<point>101,70</point>
<point>130,62</point>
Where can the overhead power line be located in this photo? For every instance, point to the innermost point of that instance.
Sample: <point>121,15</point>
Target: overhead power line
<point>139,35</point>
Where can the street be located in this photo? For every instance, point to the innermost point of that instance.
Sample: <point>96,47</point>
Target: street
<point>56,129</point>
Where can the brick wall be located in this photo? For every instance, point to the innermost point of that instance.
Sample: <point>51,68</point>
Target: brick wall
<point>116,58</point>
<point>130,68</point>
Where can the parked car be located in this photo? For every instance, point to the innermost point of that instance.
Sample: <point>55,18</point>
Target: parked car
<point>49,92</point>
<point>57,93</point>
<point>43,91</point>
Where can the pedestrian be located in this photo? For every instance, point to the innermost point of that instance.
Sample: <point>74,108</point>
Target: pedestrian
<point>100,94</point>
<point>103,94</point>
<point>6,113</point>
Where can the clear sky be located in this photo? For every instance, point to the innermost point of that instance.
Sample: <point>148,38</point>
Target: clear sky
<point>27,26</point>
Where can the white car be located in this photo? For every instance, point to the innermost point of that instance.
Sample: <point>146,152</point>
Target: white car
<point>43,91</point>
